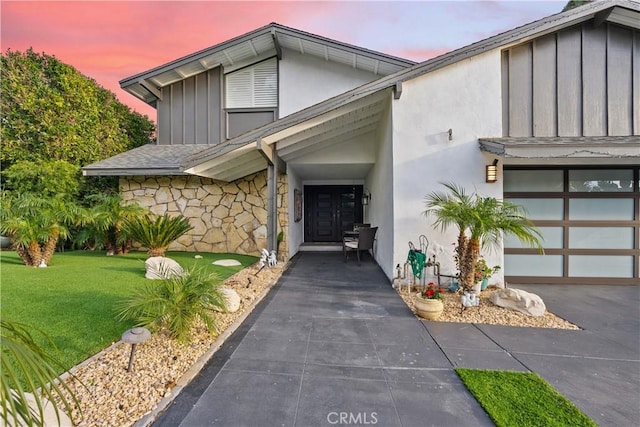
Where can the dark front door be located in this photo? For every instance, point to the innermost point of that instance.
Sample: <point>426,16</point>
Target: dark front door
<point>330,210</point>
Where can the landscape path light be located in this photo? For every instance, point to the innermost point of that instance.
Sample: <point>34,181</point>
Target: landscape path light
<point>134,337</point>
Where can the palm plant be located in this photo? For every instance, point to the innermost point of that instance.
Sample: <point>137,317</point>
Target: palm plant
<point>482,222</point>
<point>108,214</point>
<point>176,303</point>
<point>156,234</point>
<point>29,380</point>
<point>35,224</point>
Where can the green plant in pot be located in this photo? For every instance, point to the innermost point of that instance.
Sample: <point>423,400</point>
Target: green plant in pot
<point>484,272</point>
<point>481,222</point>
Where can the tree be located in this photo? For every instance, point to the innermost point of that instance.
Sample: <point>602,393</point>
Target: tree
<point>29,379</point>
<point>482,222</point>
<point>35,224</point>
<point>50,111</point>
<point>43,177</point>
<point>156,234</point>
<point>575,3</point>
<point>108,214</point>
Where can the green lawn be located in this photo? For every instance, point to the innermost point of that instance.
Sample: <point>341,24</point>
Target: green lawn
<point>73,299</point>
<point>514,399</point>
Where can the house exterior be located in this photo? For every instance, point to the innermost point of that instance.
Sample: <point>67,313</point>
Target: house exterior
<point>281,131</point>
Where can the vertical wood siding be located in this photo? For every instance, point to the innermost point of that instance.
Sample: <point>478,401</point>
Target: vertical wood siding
<point>581,81</point>
<point>520,89</point>
<point>190,111</point>
<point>544,95</point>
<point>620,81</point>
<point>636,82</point>
<point>594,81</point>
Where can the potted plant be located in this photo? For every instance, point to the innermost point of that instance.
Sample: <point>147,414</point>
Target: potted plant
<point>428,303</point>
<point>483,273</point>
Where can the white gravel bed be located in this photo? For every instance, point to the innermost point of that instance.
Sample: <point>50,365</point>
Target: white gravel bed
<point>109,395</point>
<point>489,313</point>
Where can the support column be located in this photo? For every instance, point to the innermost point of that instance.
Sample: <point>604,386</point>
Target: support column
<point>274,166</point>
<point>272,207</point>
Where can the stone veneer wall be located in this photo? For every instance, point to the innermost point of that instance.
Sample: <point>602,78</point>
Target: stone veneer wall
<point>226,216</point>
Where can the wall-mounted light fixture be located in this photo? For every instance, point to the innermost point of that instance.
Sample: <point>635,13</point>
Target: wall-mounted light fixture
<point>366,197</point>
<point>492,172</point>
<point>450,133</point>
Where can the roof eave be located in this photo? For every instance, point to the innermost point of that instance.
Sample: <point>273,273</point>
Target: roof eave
<point>131,171</point>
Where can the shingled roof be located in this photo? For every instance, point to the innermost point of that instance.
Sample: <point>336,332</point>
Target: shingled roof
<point>617,11</point>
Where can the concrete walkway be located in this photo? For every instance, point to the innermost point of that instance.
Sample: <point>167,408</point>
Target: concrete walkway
<point>333,344</point>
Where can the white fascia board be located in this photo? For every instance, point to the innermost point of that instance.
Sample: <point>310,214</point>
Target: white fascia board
<point>216,161</point>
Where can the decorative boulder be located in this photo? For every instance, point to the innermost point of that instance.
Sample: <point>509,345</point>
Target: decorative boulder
<point>519,300</point>
<point>227,262</point>
<point>159,268</point>
<point>232,300</point>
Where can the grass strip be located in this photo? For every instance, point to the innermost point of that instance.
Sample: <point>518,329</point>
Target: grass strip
<point>72,300</point>
<point>514,399</point>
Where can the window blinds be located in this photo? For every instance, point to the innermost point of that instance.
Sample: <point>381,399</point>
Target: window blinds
<point>253,87</point>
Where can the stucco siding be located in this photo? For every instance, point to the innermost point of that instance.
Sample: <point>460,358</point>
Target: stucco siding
<point>306,80</point>
<point>466,98</point>
<point>296,231</point>
<point>379,182</point>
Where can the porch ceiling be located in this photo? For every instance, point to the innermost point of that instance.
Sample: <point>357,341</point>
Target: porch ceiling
<point>302,146</point>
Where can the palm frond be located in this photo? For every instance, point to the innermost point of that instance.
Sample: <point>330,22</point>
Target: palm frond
<point>176,303</point>
<point>156,234</point>
<point>29,379</point>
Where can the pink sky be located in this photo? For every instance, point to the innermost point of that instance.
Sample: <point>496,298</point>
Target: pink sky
<point>109,41</point>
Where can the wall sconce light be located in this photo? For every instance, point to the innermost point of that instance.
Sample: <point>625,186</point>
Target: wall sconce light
<point>366,197</point>
<point>450,133</point>
<point>492,172</point>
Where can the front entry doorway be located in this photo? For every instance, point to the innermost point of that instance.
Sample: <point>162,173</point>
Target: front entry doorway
<point>329,210</point>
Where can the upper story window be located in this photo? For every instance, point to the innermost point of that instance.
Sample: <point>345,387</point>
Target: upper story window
<point>253,87</point>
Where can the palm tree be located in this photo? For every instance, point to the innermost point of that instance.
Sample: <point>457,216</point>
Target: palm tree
<point>156,234</point>
<point>176,303</point>
<point>35,224</point>
<point>482,222</point>
<point>29,380</point>
<point>108,214</point>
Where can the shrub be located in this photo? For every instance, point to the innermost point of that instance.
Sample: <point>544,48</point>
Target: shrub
<point>175,304</point>
<point>156,234</point>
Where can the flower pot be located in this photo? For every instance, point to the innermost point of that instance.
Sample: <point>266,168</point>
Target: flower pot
<point>429,309</point>
<point>477,287</point>
<point>484,284</point>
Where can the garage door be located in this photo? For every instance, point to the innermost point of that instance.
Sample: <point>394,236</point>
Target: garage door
<point>590,221</point>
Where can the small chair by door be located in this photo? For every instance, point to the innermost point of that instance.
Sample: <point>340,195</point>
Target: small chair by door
<point>364,242</point>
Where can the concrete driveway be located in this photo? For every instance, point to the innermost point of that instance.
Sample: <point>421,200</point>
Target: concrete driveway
<point>333,344</point>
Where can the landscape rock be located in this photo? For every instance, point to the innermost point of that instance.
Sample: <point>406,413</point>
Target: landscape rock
<point>519,300</point>
<point>227,262</point>
<point>159,268</point>
<point>232,299</point>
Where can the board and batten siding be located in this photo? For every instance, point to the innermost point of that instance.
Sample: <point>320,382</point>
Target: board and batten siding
<point>581,81</point>
<point>190,110</point>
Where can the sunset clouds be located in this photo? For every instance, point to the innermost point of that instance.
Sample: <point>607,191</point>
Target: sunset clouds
<point>109,41</point>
